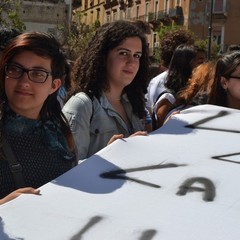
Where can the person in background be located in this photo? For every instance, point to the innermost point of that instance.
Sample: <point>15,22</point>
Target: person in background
<point>108,102</point>
<point>180,70</point>
<point>66,85</point>
<point>197,89</point>
<point>201,56</point>
<point>168,43</point>
<point>36,144</point>
<point>225,91</point>
<point>6,35</point>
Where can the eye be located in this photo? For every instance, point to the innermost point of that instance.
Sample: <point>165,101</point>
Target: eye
<point>137,55</point>
<point>123,53</point>
<point>13,68</point>
<point>38,73</point>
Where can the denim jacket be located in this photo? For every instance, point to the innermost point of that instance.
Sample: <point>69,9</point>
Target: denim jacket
<point>94,122</point>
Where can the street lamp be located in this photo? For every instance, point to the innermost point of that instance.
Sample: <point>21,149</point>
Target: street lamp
<point>210,31</point>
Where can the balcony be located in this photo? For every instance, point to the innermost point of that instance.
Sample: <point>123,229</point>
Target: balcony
<point>157,16</point>
<point>122,5</point>
<point>110,3</point>
<point>220,10</point>
<point>130,3</point>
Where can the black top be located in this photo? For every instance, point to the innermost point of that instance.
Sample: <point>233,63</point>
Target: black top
<point>41,149</point>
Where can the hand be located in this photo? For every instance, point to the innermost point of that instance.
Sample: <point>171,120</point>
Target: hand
<point>120,136</point>
<point>114,138</point>
<point>18,192</point>
<point>170,116</point>
<point>139,133</point>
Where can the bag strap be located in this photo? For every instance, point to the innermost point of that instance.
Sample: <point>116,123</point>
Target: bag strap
<point>14,165</point>
<point>163,92</point>
<point>154,119</point>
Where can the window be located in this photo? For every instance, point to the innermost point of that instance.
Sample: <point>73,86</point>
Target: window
<point>129,10</point>
<point>166,6</point>
<point>121,15</point>
<point>177,3</point>
<point>114,14</point>
<point>137,12</point>
<point>156,8</point>
<point>98,13</point>
<point>86,4</point>
<point>108,17</point>
<point>219,6</point>
<point>146,11</point>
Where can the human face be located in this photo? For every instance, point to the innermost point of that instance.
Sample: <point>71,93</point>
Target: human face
<point>25,97</point>
<point>232,87</point>
<point>123,62</point>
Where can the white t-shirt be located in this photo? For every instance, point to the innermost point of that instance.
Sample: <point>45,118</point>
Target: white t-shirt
<point>155,87</point>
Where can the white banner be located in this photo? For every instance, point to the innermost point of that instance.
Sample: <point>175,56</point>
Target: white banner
<point>179,183</point>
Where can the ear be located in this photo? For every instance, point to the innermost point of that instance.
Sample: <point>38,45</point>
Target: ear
<point>224,83</point>
<point>56,84</point>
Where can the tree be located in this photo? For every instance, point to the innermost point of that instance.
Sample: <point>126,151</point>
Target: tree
<point>203,44</point>
<point>9,16</point>
<point>79,36</point>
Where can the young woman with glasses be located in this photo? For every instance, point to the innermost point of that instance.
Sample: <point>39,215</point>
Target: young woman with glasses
<point>225,91</point>
<point>36,141</point>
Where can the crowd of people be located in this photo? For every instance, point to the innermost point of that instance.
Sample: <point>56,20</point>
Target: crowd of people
<point>54,115</point>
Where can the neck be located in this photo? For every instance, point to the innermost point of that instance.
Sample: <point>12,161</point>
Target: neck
<point>113,97</point>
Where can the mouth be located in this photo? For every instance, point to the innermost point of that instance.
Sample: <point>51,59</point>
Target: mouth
<point>128,71</point>
<point>23,93</point>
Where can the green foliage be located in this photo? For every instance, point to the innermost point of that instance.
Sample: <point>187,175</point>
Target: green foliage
<point>79,36</point>
<point>172,28</point>
<point>9,16</point>
<point>169,37</point>
<point>203,44</point>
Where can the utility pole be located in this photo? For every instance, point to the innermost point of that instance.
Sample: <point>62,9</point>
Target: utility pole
<point>210,31</point>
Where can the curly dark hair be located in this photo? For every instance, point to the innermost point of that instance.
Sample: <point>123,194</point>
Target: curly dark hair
<point>89,70</point>
<point>170,41</point>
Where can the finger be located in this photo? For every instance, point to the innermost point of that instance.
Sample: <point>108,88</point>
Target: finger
<point>139,133</point>
<point>29,190</point>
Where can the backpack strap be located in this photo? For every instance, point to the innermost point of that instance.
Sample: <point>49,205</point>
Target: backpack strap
<point>160,94</point>
<point>154,119</point>
<point>14,165</point>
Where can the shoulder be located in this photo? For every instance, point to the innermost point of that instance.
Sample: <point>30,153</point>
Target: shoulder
<point>159,78</point>
<point>165,99</point>
<point>78,102</point>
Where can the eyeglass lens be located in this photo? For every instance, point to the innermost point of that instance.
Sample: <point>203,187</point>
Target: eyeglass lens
<point>15,71</point>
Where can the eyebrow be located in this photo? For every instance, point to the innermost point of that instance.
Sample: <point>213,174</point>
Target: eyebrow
<point>119,49</point>
<point>32,68</point>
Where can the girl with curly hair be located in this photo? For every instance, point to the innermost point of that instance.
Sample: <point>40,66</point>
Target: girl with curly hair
<point>108,102</point>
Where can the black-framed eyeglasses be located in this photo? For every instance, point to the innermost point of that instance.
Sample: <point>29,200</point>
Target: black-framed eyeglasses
<point>234,77</point>
<point>35,75</point>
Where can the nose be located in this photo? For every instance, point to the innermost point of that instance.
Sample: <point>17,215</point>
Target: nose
<point>24,78</point>
<point>131,58</point>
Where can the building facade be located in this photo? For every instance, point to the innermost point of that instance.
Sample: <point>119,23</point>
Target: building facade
<point>216,18</point>
<point>52,16</point>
